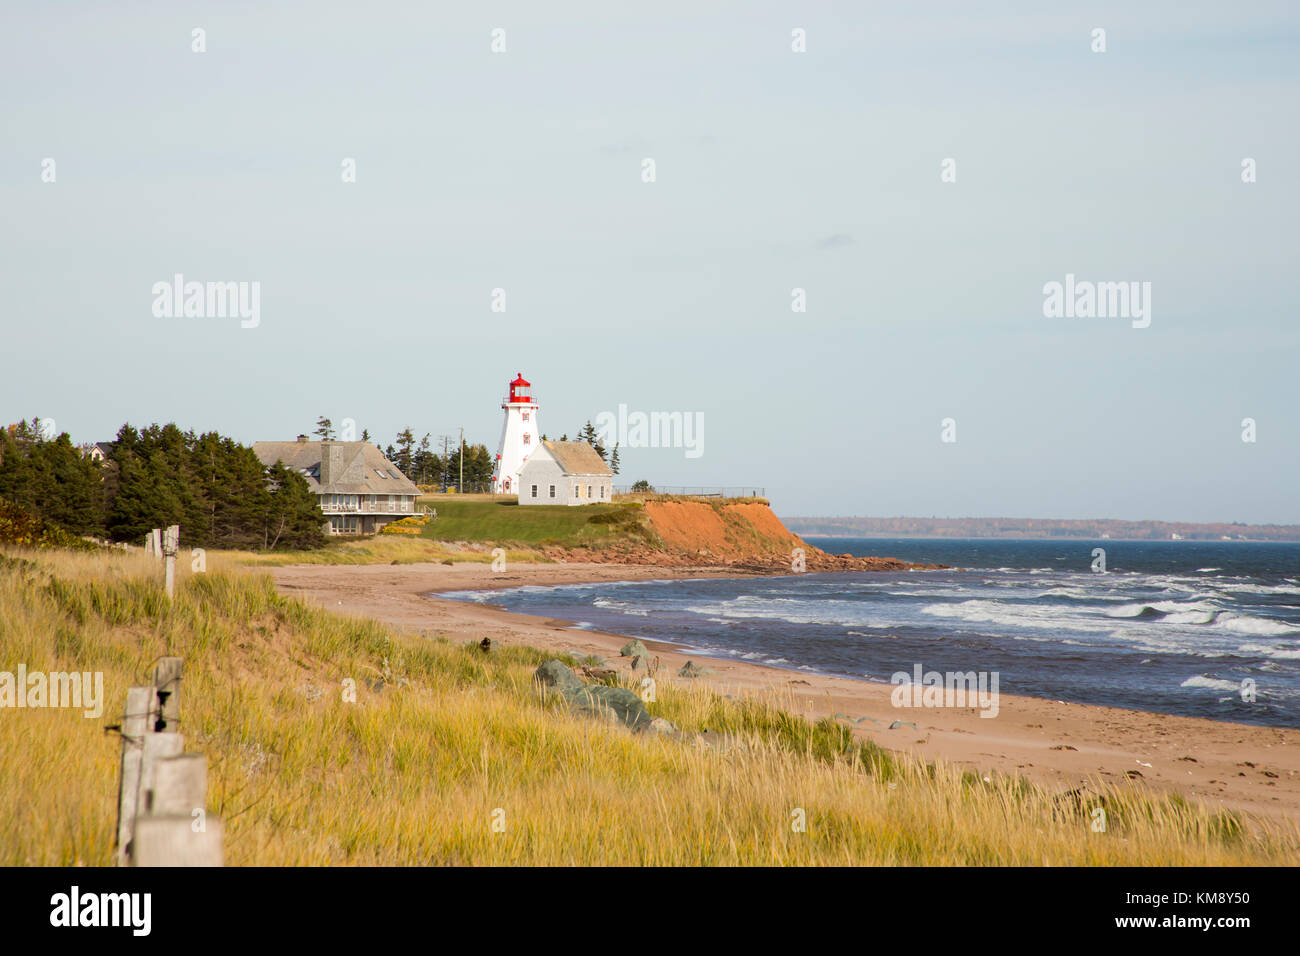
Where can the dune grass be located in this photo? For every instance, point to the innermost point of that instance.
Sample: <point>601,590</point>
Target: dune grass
<point>379,549</point>
<point>450,756</point>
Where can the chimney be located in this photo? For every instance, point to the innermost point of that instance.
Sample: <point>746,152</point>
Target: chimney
<point>302,439</point>
<point>331,460</point>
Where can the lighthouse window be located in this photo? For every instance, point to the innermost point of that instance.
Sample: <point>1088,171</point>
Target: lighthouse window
<point>525,416</point>
<point>526,438</point>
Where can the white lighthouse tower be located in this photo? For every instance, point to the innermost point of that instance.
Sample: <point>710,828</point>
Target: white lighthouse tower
<point>519,436</point>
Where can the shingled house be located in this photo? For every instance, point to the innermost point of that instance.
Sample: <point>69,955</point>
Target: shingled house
<point>359,489</point>
<point>565,473</point>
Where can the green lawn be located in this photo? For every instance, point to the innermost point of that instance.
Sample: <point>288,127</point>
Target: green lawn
<point>465,520</point>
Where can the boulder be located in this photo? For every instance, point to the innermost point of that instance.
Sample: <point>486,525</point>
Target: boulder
<point>594,699</point>
<point>640,662</point>
<point>556,676</point>
<point>691,669</point>
<point>616,702</point>
<point>633,649</point>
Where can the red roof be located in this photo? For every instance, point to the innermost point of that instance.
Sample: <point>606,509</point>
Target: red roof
<point>520,380</point>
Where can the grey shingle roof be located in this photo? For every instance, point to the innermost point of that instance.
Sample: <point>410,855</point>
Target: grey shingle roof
<point>357,470</point>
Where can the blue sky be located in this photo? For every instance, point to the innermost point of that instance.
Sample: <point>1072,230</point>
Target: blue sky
<point>774,170</point>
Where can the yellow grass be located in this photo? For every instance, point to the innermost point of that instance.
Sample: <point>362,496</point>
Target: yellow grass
<point>418,771</point>
<point>380,549</point>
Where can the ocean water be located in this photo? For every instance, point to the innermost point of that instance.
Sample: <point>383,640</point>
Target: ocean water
<point>1171,627</point>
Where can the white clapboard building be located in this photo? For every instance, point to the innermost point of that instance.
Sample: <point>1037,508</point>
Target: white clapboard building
<point>565,473</point>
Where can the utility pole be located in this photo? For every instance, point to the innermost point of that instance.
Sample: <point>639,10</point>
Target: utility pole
<point>461,487</point>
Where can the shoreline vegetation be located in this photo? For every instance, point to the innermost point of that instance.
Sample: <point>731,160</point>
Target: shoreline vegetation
<point>444,739</point>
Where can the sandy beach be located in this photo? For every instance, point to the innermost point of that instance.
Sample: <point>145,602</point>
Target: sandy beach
<point>1061,745</point>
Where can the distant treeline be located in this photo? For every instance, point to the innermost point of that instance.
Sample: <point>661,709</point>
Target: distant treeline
<point>213,487</point>
<point>1091,529</point>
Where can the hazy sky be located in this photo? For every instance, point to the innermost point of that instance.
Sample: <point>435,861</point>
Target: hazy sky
<point>775,170</point>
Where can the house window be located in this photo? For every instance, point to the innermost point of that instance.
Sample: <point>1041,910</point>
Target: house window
<point>589,492</point>
<point>577,491</point>
<point>534,491</point>
<point>602,492</point>
<point>552,491</point>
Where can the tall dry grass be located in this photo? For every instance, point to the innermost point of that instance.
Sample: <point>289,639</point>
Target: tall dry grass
<point>379,549</point>
<point>444,742</point>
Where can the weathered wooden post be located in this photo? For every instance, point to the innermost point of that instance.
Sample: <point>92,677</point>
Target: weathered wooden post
<point>165,707</point>
<point>162,820</point>
<point>171,541</point>
<point>174,841</point>
<point>135,721</point>
<point>157,747</point>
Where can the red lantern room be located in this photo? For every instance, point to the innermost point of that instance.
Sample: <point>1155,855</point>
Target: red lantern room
<point>519,391</point>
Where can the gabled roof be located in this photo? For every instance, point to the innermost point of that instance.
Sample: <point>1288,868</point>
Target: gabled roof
<point>362,468</point>
<point>576,458</point>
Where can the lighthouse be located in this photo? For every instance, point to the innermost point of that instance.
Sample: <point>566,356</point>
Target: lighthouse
<point>519,436</point>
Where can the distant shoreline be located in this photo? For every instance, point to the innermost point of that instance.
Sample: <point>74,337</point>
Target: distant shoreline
<point>884,536</point>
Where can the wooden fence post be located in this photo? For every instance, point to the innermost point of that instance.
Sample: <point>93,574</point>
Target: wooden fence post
<point>173,841</point>
<point>135,721</point>
<point>171,541</point>
<point>156,747</point>
<point>162,820</point>
<point>166,706</point>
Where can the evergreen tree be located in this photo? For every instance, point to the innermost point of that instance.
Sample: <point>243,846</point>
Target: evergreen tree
<point>592,437</point>
<point>324,429</point>
<point>424,464</point>
<point>293,517</point>
<point>52,479</point>
<point>405,449</point>
<point>613,459</point>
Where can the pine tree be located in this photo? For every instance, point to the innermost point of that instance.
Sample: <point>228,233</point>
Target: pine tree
<point>325,429</point>
<point>613,459</point>
<point>405,447</point>
<point>293,518</point>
